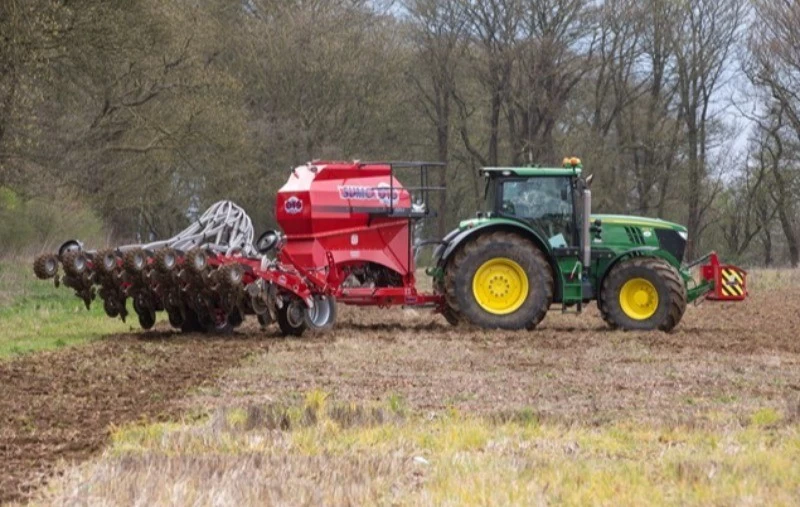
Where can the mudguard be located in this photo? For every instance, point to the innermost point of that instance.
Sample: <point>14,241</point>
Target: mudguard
<point>455,238</point>
<point>645,251</point>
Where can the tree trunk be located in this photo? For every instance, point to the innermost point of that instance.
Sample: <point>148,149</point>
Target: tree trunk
<point>494,127</point>
<point>443,152</point>
<point>694,182</point>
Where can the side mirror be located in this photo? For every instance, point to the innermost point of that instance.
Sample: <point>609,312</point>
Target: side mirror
<point>267,241</point>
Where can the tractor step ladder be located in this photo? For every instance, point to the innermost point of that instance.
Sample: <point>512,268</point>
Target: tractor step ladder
<point>572,289</point>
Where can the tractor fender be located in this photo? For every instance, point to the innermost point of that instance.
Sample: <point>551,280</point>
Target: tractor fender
<point>443,247</point>
<point>644,251</point>
<point>453,241</point>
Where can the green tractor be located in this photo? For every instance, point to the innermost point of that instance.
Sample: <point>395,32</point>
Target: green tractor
<point>537,243</point>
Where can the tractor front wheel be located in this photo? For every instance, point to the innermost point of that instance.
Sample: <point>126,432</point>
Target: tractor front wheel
<point>643,294</point>
<point>499,280</point>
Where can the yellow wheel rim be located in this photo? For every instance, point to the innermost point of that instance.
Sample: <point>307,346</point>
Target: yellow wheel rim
<point>500,286</point>
<point>638,299</point>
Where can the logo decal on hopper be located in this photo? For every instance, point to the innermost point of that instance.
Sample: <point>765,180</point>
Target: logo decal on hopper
<point>383,193</point>
<point>293,205</point>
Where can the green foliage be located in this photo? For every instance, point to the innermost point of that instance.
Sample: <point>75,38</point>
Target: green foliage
<point>149,111</point>
<point>41,224</point>
<point>37,316</point>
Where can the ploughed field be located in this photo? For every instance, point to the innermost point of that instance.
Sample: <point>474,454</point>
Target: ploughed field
<point>296,419</point>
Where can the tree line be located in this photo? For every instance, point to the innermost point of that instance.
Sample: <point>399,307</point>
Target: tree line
<point>139,113</point>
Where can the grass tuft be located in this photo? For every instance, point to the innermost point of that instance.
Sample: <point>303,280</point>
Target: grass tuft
<point>765,417</point>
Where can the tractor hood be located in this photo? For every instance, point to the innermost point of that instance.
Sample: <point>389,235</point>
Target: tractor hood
<point>623,220</point>
<point>634,221</point>
<point>618,233</point>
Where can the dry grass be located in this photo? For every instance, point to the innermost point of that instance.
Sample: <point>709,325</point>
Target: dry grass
<point>345,454</point>
<point>767,279</point>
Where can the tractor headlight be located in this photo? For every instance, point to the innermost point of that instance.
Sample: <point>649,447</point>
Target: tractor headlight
<point>684,235</point>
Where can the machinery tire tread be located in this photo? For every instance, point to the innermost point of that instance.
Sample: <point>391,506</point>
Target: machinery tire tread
<point>450,315</point>
<point>285,326</point>
<point>129,260</point>
<point>40,267</point>
<point>458,282</point>
<point>160,260</point>
<point>67,262</point>
<point>673,288</point>
<point>604,314</point>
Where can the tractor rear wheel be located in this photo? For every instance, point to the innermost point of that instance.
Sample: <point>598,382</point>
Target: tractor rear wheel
<point>449,314</point>
<point>499,280</point>
<point>643,294</point>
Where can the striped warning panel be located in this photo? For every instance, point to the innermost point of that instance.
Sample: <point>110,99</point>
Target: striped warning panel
<point>732,283</point>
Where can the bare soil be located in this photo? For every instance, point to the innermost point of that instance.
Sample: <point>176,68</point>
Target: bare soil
<point>732,359</point>
<point>58,407</point>
<point>725,360</point>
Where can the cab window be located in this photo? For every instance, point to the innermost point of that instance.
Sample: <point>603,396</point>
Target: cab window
<point>545,203</point>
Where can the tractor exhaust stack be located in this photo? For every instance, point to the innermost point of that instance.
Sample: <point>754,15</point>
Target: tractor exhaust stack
<point>586,242</point>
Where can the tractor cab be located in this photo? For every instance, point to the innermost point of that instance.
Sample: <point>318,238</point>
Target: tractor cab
<point>545,199</point>
<point>554,203</point>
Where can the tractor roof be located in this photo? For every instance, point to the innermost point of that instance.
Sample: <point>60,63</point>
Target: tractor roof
<point>531,171</point>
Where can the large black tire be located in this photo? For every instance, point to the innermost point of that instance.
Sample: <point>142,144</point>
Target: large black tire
<point>175,317</point>
<point>604,314</point>
<point>134,261</point>
<point>291,326</point>
<point>322,317</point>
<point>105,261</point>
<point>45,266</point>
<point>111,307</point>
<point>191,323</point>
<point>196,261</point>
<point>166,260</point>
<point>236,318</point>
<point>668,284</point>
<point>264,320</point>
<point>462,268</point>
<point>147,320</point>
<point>146,314</point>
<point>449,314</point>
<point>220,328</point>
<point>75,263</point>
